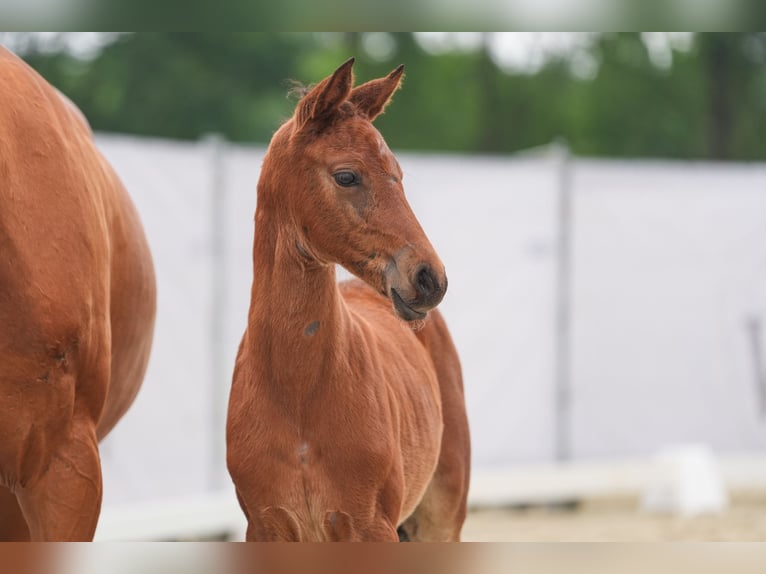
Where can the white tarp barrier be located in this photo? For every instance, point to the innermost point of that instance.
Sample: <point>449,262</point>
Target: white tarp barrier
<point>669,267</point>
<point>492,221</point>
<point>668,259</point>
<point>161,448</point>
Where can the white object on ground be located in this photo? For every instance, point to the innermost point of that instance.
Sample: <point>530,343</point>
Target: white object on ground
<point>688,483</point>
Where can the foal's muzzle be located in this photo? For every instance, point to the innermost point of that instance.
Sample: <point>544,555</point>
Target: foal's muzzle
<point>413,296</point>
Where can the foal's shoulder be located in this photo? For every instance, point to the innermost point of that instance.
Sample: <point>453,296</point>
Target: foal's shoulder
<point>365,301</point>
<point>358,290</point>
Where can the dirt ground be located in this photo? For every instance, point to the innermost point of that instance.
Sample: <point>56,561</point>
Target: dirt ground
<point>618,520</point>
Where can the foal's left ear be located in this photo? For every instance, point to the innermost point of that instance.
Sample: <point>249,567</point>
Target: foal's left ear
<point>373,97</point>
<point>324,99</point>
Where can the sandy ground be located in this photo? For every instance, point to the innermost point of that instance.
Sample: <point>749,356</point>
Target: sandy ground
<point>618,520</point>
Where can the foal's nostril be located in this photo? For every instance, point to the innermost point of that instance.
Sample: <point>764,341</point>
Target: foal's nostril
<point>426,282</point>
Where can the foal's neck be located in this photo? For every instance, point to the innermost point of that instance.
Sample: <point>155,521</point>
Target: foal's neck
<point>297,316</point>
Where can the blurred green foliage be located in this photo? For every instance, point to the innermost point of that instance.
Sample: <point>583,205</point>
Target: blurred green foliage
<point>710,103</point>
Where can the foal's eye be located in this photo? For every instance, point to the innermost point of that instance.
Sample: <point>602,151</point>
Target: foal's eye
<point>346,178</point>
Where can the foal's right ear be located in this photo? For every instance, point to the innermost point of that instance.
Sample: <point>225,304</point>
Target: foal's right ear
<point>325,98</point>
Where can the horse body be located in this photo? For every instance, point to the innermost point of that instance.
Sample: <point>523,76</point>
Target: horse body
<point>344,421</point>
<point>77,305</point>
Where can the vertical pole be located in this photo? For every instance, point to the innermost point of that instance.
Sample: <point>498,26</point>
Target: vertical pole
<point>563,306</point>
<point>218,386</point>
<point>759,368</point>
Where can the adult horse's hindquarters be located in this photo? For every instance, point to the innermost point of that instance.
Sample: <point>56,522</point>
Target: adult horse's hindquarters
<point>346,421</point>
<point>77,305</point>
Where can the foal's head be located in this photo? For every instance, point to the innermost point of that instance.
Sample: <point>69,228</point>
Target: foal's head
<point>334,181</point>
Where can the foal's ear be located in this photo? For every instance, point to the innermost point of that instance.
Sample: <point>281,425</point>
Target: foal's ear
<point>373,97</point>
<point>325,98</point>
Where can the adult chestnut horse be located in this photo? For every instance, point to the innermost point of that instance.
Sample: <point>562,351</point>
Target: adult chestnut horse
<point>346,416</point>
<point>77,303</point>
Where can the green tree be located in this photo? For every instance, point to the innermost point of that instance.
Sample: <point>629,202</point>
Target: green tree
<point>711,103</point>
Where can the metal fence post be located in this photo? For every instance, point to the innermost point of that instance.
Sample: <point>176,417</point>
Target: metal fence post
<point>753,324</point>
<point>563,306</point>
<point>218,380</point>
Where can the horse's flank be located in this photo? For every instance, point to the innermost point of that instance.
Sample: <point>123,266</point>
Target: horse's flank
<point>77,305</point>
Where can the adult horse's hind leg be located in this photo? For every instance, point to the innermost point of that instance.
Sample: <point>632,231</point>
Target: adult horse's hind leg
<point>13,527</point>
<point>442,510</point>
<point>63,504</point>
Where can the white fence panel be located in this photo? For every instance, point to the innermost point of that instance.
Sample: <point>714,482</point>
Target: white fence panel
<point>669,267</point>
<point>492,221</point>
<point>162,447</point>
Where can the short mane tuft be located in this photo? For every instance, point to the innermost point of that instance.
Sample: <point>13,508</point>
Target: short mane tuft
<point>298,90</point>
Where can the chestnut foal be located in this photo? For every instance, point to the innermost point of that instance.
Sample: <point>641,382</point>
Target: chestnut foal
<point>346,416</point>
<point>77,304</point>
